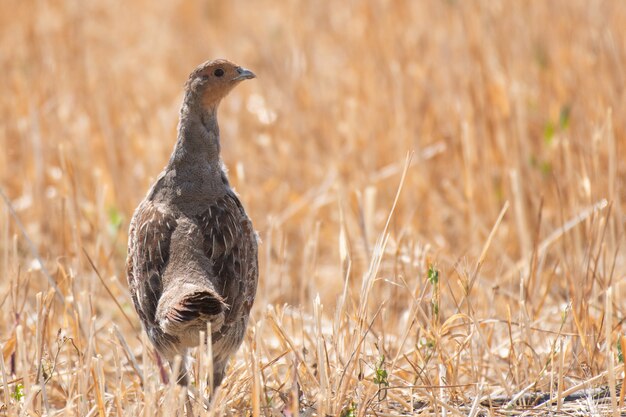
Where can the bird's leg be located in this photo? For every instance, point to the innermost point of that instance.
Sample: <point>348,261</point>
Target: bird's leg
<point>179,362</point>
<point>183,378</point>
<point>219,370</point>
<point>198,397</point>
<point>189,406</point>
<point>183,381</point>
<point>183,374</point>
<point>162,371</point>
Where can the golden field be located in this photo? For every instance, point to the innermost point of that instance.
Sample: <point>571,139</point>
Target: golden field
<point>439,187</point>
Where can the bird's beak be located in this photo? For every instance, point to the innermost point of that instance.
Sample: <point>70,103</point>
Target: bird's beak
<point>243,74</point>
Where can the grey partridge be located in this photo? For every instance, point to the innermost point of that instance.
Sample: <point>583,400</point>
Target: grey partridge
<point>192,250</point>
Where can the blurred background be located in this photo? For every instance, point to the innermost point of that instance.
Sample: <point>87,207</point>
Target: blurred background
<point>502,106</point>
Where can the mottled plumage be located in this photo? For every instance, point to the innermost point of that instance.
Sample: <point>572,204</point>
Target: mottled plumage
<point>192,250</point>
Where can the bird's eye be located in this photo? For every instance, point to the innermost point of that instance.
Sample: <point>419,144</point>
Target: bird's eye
<point>218,72</point>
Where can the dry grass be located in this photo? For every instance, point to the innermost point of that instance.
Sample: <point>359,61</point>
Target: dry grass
<point>486,267</point>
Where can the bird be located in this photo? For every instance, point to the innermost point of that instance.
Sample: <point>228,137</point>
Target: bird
<point>192,249</point>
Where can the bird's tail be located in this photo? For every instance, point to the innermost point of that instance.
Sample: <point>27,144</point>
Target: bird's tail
<point>194,309</point>
<point>203,305</point>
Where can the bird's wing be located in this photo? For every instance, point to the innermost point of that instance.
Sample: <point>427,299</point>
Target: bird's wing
<point>148,254</point>
<point>230,244</point>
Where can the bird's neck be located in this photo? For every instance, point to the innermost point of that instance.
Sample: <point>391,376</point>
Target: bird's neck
<point>198,136</point>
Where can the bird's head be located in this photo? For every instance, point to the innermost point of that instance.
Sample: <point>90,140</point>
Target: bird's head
<point>213,80</point>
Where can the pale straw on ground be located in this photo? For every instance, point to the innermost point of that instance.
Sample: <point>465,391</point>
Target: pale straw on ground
<point>438,186</point>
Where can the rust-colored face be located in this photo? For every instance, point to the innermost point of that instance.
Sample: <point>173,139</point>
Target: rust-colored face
<point>213,80</point>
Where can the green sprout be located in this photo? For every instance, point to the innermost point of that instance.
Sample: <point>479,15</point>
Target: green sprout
<point>433,278</point>
<point>433,275</point>
<point>115,219</point>
<point>18,393</point>
<point>349,411</point>
<point>381,373</point>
